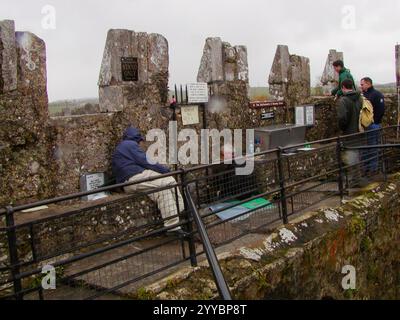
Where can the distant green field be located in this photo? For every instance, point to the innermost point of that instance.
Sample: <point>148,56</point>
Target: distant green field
<point>256,94</point>
<point>58,106</point>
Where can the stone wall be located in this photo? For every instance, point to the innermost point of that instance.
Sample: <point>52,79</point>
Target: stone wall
<point>305,259</point>
<point>26,166</point>
<point>42,157</point>
<point>83,144</point>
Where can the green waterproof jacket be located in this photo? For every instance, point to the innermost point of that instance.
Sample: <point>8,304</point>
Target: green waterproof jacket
<point>344,74</point>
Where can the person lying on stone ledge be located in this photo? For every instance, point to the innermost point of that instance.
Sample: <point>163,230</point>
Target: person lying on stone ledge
<point>130,164</point>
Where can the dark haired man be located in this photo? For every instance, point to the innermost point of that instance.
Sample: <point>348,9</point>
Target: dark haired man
<point>349,107</point>
<point>344,74</point>
<point>378,102</point>
<point>376,98</point>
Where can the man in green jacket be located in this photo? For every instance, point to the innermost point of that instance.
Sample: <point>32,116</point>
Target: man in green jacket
<point>343,75</point>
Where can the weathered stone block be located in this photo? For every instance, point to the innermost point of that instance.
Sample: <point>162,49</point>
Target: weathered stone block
<point>25,137</point>
<point>299,86</point>
<point>211,66</point>
<point>112,98</point>
<point>151,50</point>
<point>222,62</point>
<point>242,63</point>
<point>32,72</point>
<point>289,79</point>
<point>158,56</point>
<point>8,57</point>
<point>280,66</point>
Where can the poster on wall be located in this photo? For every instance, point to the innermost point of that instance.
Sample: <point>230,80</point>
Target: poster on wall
<point>300,121</point>
<point>310,117</point>
<point>305,116</point>
<point>197,93</point>
<point>91,182</point>
<point>190,115</point>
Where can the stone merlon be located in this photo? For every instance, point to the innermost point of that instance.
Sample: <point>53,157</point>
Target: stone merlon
<point>222,62</point>
<point>8,57</point>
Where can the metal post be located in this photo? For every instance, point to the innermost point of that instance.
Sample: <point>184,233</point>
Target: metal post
<point>398,110</point>
<point>383,155</point>
<point>339,148</point>
<point>182,101</point>
<point>189,226</point>
<point>397,59</point>
<point>282,187</point>
<point>223,288</point>
<point>13,252</point>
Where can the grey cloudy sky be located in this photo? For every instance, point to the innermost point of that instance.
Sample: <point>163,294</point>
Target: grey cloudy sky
<point>309,27</point>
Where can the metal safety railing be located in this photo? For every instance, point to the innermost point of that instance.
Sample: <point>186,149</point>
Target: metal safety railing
<point>118,246</point>
<point>208,247</point>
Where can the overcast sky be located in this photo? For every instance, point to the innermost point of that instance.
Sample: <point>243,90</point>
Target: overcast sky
<point>308,27</point>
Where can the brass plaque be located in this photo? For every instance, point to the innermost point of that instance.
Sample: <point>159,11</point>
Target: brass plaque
<point>130,69</point>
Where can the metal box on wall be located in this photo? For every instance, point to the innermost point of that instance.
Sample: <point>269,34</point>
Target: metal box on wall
<point>272,137</point>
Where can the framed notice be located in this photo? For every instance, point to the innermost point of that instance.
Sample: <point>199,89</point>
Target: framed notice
<point>305,116</point>
<point>197,93</point>
<point>300,117</point>
<point>91,182</point>
<point>310,115</point>
<point>268,116</point>
<point>190,115</point>
<point>129,69</point>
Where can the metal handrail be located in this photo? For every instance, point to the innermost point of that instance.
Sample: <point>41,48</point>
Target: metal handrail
<point>208,248</point>
<point>379,146</point>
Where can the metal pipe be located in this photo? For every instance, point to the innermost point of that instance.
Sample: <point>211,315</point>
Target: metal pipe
<point>210,253</point>
<point>88,193</point>
<point>379,146</point>
<point>13,252</point>
<point>282,187</point>
<point>340,165</point>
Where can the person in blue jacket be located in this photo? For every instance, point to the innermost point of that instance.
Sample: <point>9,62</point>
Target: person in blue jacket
<point>377,100</point>
<point>130,164</point>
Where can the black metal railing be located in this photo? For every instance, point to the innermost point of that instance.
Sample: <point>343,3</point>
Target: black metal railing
<point>114,248</point>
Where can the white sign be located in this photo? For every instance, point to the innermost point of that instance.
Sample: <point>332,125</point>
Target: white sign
<point>310,119</point>
<point>190,115</point>
<point>300,121</point>
<point>92,182</point>
<point>305,116</point>
<point>197,92</point>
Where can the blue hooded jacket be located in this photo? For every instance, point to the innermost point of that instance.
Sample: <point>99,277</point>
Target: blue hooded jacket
<point>130,160</point>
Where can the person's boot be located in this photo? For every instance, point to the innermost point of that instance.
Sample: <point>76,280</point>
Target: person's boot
<point>178,232</point>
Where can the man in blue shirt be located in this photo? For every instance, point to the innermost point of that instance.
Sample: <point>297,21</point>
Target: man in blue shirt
<point>130,164</point>
<point>378,102</point>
